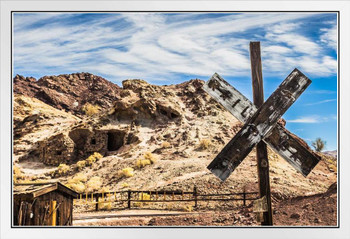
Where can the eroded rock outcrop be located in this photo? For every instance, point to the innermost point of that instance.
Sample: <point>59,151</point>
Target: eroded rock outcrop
<point>69,91</point>
<point>142,101</point>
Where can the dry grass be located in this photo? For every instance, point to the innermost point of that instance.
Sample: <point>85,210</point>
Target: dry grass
<point>149,156</point>
<point>127,172</point>
<point>94,184</point>
<point>187,208</point>
<point>90,110</point>
<point>17,174</point>
<point>148,159</point>
<point>204,144</point>
<point>81,164</point>
<point>93,158</point>
<point>77,183</point>
<point>140,163</point>
<point>90,160</point>
<point>79,187</point>
<point>63,169</point>
<point>97,155</point>
<point>142,197</point>
<point>166,145</point>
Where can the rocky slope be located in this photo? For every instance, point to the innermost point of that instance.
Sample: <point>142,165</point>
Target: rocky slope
<point>68,92</point>
<point>179,126</point>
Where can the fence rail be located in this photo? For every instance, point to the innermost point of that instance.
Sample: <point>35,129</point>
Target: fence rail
<point>161,196</point>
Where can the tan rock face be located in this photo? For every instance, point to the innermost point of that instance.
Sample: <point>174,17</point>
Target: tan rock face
<point>141,100</point>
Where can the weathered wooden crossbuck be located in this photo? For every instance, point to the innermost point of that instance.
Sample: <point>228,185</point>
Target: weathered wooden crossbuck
<point>261,126</point>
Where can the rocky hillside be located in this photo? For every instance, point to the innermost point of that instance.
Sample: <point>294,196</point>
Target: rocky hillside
<point>149,136</point>
<point>68,92</point>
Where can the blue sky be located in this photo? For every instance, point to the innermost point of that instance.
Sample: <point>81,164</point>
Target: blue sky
<point>169,48</point>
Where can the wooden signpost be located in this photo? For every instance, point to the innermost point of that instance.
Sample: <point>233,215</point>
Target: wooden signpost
<point>261,126</point>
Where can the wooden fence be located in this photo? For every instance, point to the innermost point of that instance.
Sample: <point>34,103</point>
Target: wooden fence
<point>161,196</point>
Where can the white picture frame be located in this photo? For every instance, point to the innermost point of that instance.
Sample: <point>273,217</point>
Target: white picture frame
<point>341,232</point>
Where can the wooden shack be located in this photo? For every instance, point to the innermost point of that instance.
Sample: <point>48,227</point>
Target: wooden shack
<point>43,204</point>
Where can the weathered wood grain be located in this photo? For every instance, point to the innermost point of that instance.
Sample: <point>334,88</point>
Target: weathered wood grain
<point>261,148</point>
<point>237,104</point>
<point>283,142</point>
<point>259,125</point>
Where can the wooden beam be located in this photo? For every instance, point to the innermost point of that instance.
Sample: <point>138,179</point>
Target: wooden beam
<point>261,148</point>
<point>283,142</point>
<point>259,125</point>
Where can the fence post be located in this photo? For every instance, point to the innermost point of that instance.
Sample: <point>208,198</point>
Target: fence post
<point>96,202</point>
<point>129,197</point>
<point>195,196</point>
<point>244,197</point>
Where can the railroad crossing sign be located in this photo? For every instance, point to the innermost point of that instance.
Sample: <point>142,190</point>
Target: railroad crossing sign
<point>261,125</point>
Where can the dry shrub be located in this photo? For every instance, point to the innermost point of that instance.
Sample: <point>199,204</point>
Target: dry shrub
<point>79,187</point>
<point>204,144</point>
<point>128,172</point>
<point>80,177</point>
<point>149,156</point>
<point>125,185</point>
<point>97,155</point>
<point>104,205</point>
<point>332,168</point>
<point>90,110</point>
<point>17,174</point>
<point>93,158</point>
<point>331,163</point>
<point>140,163</point>
<point>81,164</point>
<point>77,183</point>
<point>165,145</point>
<point>63,169</point>
<point>90,160</point>
<point>142,197</point>
<point>93,184</point>
<point>187,208</point>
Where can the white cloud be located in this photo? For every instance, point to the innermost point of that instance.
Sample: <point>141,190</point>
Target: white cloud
<point>275,49</point>
<point>306,119</point>
<point>329,36</point>
<point>322,92</point>
<point>156,46</point>
<point>312,119</point>
<point>321,102</point>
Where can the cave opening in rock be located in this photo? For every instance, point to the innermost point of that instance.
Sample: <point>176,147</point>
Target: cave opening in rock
<point>115,140</point>
<point>173,116</point>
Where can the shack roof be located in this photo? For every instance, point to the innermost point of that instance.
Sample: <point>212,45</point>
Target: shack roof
<point>33,190</point>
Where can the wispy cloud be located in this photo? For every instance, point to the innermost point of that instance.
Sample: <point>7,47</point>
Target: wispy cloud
<point>323,92</point>
<point>306,119</point>
<point>156,46</point>
<point>312,119</point>
<point>321,102</point>
<point>329,36</point>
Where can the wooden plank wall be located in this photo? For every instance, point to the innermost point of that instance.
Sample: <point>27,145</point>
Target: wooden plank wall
<point>41,212</point>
